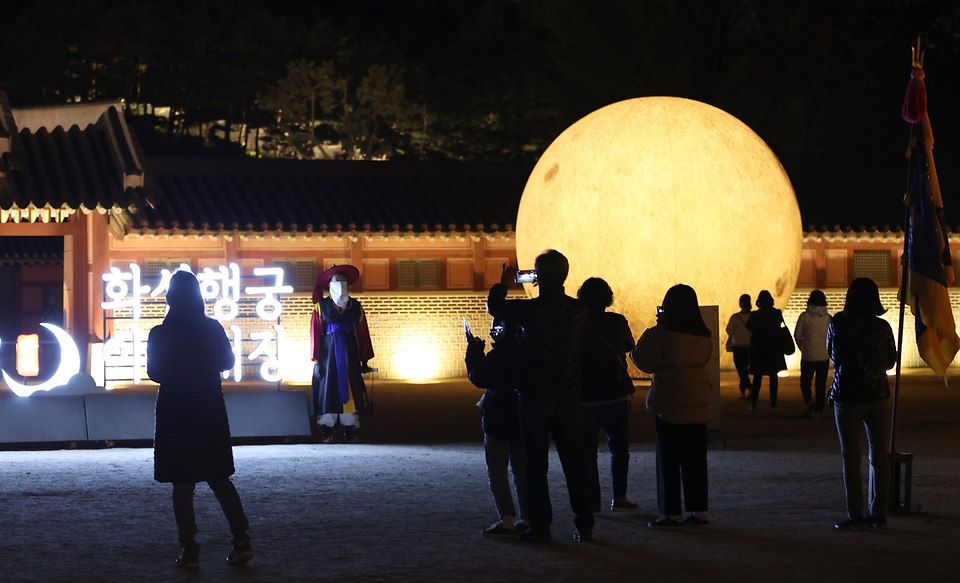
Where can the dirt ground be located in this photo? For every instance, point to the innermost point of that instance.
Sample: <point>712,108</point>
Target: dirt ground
<point>409,502</point>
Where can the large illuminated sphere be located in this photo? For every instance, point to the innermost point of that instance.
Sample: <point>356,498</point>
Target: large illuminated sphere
<point>651,192</point>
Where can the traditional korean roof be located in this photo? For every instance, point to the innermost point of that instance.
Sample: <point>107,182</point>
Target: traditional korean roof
<point>298,196</point>
<point>84,158</point>
<point>31,250</point>
<point>867,199</point>
<point>50,172</point>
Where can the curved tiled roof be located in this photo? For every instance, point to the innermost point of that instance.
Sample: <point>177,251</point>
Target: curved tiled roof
<point>75,169</point>
<point>31,250</point>
<point>866,199</point>
<point>258,195</point>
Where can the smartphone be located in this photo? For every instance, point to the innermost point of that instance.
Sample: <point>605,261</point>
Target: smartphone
<point>466,330</point>
<point>526,276</point>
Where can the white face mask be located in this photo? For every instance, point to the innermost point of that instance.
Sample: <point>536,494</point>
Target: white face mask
<point>339,293</point>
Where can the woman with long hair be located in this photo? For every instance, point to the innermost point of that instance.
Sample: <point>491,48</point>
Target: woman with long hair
<point>862,348</point>
<point>676,351</point>
<point>186,354</point>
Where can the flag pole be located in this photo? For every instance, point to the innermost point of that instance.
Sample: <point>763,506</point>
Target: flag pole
<point>904,261</point>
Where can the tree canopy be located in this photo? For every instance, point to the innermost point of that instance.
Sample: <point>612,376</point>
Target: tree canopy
<point>819,80</point>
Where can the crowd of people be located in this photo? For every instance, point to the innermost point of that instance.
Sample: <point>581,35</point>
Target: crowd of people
<point>557,369</point>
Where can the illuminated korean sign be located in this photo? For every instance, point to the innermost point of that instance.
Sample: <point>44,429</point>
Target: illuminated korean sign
<point>250,314</point>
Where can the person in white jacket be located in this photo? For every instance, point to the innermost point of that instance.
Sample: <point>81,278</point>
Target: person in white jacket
<point>811,336</point>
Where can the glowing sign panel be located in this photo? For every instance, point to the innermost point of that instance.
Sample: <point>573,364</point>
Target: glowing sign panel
<point>28,355</point>
<point>124,290</point>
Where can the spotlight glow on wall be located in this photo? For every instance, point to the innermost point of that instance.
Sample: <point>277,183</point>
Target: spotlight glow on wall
<point>417,362</point>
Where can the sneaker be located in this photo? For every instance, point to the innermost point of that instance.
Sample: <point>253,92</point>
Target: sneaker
<point>530,535</point>
<point>328,440</point>
<point>189,558</point>
<point>752,407</point>
<point>353,440</point>
<point>498,529</point>
<point>817,417</point>
<point>850,523</point>
<point>623,506</point>
<point>879,522</point>
<point>694,520</point>
<point>582,536</point>
<point>240,554</point>
<point>773,407</point>
<point>665,523</point>
<point>743,396</point>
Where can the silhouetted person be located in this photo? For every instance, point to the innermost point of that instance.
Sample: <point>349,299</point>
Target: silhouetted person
<point>739,339</point>
<point>186,355</point>
<point>606,390</point>
<point>811,337</point>
<point>676,351</point>
<point>549,386</point>
<point>766,351</point>
<point>862,348</point>
<point>340,347</point>
<point>502,447</point>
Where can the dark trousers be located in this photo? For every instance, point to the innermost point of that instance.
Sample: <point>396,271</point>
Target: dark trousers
<point>758,382</point>
<point>681,459</point>
<point>539,419</point>
<point>851,419</point>
<point>229,499</point>
<point>741,360</point>
<point>613,418</point>
<point>809,368</point>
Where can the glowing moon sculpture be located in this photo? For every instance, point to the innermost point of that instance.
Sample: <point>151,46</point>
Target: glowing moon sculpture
<point>69,366</point>
<point>651,192</point>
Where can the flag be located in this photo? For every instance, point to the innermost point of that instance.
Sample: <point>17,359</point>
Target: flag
<point>930,266</point>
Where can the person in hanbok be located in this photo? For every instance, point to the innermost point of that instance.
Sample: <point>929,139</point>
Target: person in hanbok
<point>340,347</point>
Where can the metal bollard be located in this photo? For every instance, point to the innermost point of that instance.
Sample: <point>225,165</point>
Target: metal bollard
<point>901,470</point>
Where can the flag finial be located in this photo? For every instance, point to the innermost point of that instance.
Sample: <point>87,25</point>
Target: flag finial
<point>915,103</point>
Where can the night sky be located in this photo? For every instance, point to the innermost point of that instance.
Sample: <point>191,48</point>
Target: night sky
<point>821,81</point>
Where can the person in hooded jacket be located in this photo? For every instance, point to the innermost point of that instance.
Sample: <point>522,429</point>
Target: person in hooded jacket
<point>766,353</point>
<point>811,337</point>
<point>605,392</point>
<point>863,349</point>
<point>185,355</point>
<point>676,351</point>
<point>500,420</point>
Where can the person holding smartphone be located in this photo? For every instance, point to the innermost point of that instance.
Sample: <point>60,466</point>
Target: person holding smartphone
<point>548,381</point>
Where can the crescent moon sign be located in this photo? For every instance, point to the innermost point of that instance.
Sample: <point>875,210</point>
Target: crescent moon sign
<point>69,366</point>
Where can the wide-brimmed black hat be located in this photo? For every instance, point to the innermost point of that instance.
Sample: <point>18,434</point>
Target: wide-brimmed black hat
<point>352,273</point>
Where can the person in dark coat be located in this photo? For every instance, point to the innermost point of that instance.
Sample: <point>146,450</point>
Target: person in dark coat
<point>766,354</point>
<point>863,350</point>
<point>496,372</point>
<point>548,380</point>
<point>605,392</point>
<point>186,355</point>
<point>341,347</point>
